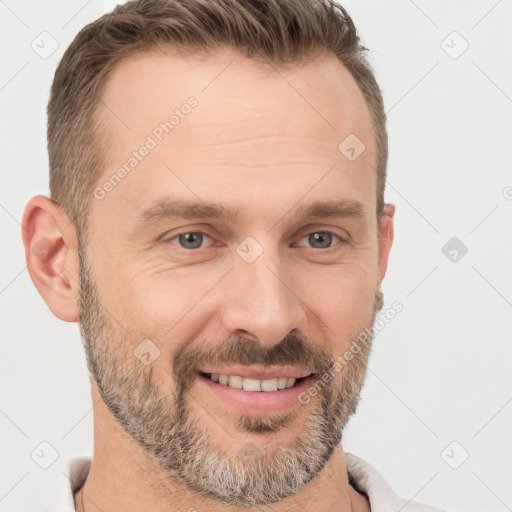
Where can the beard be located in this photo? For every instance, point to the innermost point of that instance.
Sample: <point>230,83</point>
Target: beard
<point>162,423</point>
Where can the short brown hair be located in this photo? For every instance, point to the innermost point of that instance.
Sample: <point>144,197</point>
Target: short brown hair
<point>281,32</point>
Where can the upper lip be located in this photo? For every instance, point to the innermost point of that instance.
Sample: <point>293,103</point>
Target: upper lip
<point>259,372</point>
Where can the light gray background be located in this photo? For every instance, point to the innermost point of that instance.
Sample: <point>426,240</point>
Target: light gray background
<point>440,371</point>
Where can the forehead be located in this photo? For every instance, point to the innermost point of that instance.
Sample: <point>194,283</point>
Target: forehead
<point>255,131</point>
<point>146,86</point>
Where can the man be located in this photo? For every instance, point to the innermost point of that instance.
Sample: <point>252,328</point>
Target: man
<point>217,227</point>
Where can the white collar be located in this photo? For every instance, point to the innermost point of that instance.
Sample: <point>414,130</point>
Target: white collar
<point>380,495</point>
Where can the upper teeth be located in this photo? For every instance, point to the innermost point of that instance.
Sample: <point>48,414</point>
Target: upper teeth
<point>253,384</point>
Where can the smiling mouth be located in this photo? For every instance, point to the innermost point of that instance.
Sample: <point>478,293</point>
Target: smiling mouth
<point>254,385</point>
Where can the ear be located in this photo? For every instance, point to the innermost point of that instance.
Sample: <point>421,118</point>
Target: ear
<point>51,252</point>
<point>386,238</point>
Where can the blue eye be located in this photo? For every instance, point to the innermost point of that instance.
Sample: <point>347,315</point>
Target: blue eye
<point>323,239</point>
<point>190,240</point>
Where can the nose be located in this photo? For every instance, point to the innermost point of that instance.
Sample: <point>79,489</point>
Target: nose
<point>261,301</point>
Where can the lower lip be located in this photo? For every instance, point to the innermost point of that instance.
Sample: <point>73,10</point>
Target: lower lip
<point>257,402</point>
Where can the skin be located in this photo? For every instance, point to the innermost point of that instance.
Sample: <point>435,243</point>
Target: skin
<point>260,139</point>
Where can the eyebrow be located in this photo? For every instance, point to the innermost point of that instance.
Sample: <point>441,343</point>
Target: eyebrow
<point>166,209</point>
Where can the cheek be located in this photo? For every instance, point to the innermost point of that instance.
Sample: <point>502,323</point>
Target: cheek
<point>140,292</point>
<point>344,302</point>
<point>164,307</point>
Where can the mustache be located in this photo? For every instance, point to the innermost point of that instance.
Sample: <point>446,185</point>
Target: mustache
<point>292,350</point>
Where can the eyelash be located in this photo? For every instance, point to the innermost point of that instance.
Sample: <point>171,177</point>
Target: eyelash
<point>169,240</point>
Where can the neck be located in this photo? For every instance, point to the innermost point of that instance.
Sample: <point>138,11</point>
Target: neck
<point>124,478</point>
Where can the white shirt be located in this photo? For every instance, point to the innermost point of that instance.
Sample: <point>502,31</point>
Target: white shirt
<point>366,480</point>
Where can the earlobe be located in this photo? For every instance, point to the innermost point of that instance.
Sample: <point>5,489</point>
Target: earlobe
<point>386,238</point>
<point>51,252</point>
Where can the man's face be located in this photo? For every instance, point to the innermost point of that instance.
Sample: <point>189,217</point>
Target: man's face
<point>268,294</point>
